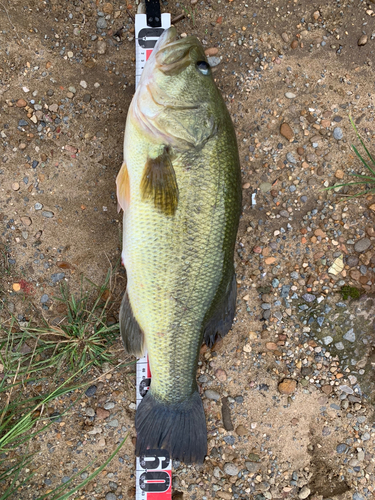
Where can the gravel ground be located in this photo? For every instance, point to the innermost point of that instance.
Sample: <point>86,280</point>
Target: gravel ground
<point>289,392</point>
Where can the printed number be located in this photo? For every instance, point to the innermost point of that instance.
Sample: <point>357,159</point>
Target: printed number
<point>155,459</point>
<point>144,386</point>
<point>155,481</point>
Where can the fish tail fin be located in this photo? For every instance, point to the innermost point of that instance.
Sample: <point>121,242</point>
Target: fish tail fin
<point>179,428</point>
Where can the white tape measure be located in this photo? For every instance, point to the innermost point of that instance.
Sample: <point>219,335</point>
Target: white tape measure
<point>154,470</point>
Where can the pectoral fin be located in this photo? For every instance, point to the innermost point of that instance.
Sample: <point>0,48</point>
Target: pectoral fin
<point>123,188</point>
<point>159,183</point>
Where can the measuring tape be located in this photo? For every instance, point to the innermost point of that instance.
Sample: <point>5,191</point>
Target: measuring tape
<point>154,470</point>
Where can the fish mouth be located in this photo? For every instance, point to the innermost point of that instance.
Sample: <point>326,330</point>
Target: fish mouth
<point>173,55</point>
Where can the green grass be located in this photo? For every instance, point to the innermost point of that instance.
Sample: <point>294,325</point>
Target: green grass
<point>30,355</point>
<point>366,181</point>
<point>83,335</point>
<point>191,14</point>
<point>350,291</point>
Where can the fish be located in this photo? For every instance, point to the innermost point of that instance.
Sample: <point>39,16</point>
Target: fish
<point>180,190</point>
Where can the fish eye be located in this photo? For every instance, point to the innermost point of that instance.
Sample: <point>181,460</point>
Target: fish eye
<point>203,67</point>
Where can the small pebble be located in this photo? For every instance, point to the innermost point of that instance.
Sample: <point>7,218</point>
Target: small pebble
<point>213,61</point>
<point>338,134</point>
<point>230,469</point>
<point>91,391</point>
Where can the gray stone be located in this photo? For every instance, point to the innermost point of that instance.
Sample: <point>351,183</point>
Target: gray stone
<point>65,479</point>
<point>90,412</point>
<point>38,206</point>
<point>346,389</point>
<point>102,47</point>
<point>304,493</point>
<point>47,214</point>
<point>337,133</point>
<point>352,260</point>
<point>57,277</point>
<point>44,298</point>
<point>113,423</point>
<point>362,245</point>
<point>327,340</point>
<point>110,496</point>
<point>101,23</point>
<point>357,496</point>
<point>342,448</point>
<point>340,346</point>
<point>231,469</point>
<point>350,336</point>
<point>291,158</point>
<point>210,394</point>
<point>91,391</point>
<point>109,406</point>
<point>309,297</point>
<point>265,187</point>
<point>290,95</point>
<point>213,61</point>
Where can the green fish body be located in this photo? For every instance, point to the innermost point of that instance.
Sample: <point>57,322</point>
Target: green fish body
<point>180,190</point>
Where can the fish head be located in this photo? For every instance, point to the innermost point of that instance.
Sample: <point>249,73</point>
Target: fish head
<point>177,98</point>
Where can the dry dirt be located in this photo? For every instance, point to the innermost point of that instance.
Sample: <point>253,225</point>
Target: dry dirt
<point>65,156</point>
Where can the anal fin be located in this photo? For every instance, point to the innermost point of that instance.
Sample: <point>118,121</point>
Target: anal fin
<point>131,333</point>
<point>221,316</point>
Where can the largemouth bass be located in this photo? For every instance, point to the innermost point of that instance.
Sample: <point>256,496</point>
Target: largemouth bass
<point>180,189</point>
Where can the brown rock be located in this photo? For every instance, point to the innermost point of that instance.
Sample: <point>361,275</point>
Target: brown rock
<point>327,389</point>
<point>355,275</point>
<point>108,8</point>
<point>21,103</point>
<point>319,232</point>
<point>316,15</point>
<point>177,495</point>
<point>221,375</point>
<point>70,149</point>
<point>287,386</point>
<point>362,40</point>
<point>15,186</point>
<point>286,131</point>
<point>318,255</point>
<point>300,151</point>
<point>43,157</point>
<point>101,413</point>
<point>271,346</point>
<point>63,265</point>
<point>257,250</point>
<point>269,260</point>
<point>294,44</point>
<point>325,123</point>
<point>212,51</point>
<point>339,174</point>
<point>26,221</point>
<point>241,430</point>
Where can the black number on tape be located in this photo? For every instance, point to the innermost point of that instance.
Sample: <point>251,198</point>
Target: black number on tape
<point>144,386</point>
<point>154,481</point>
<point>149,33</point>
<point>155,459</point>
